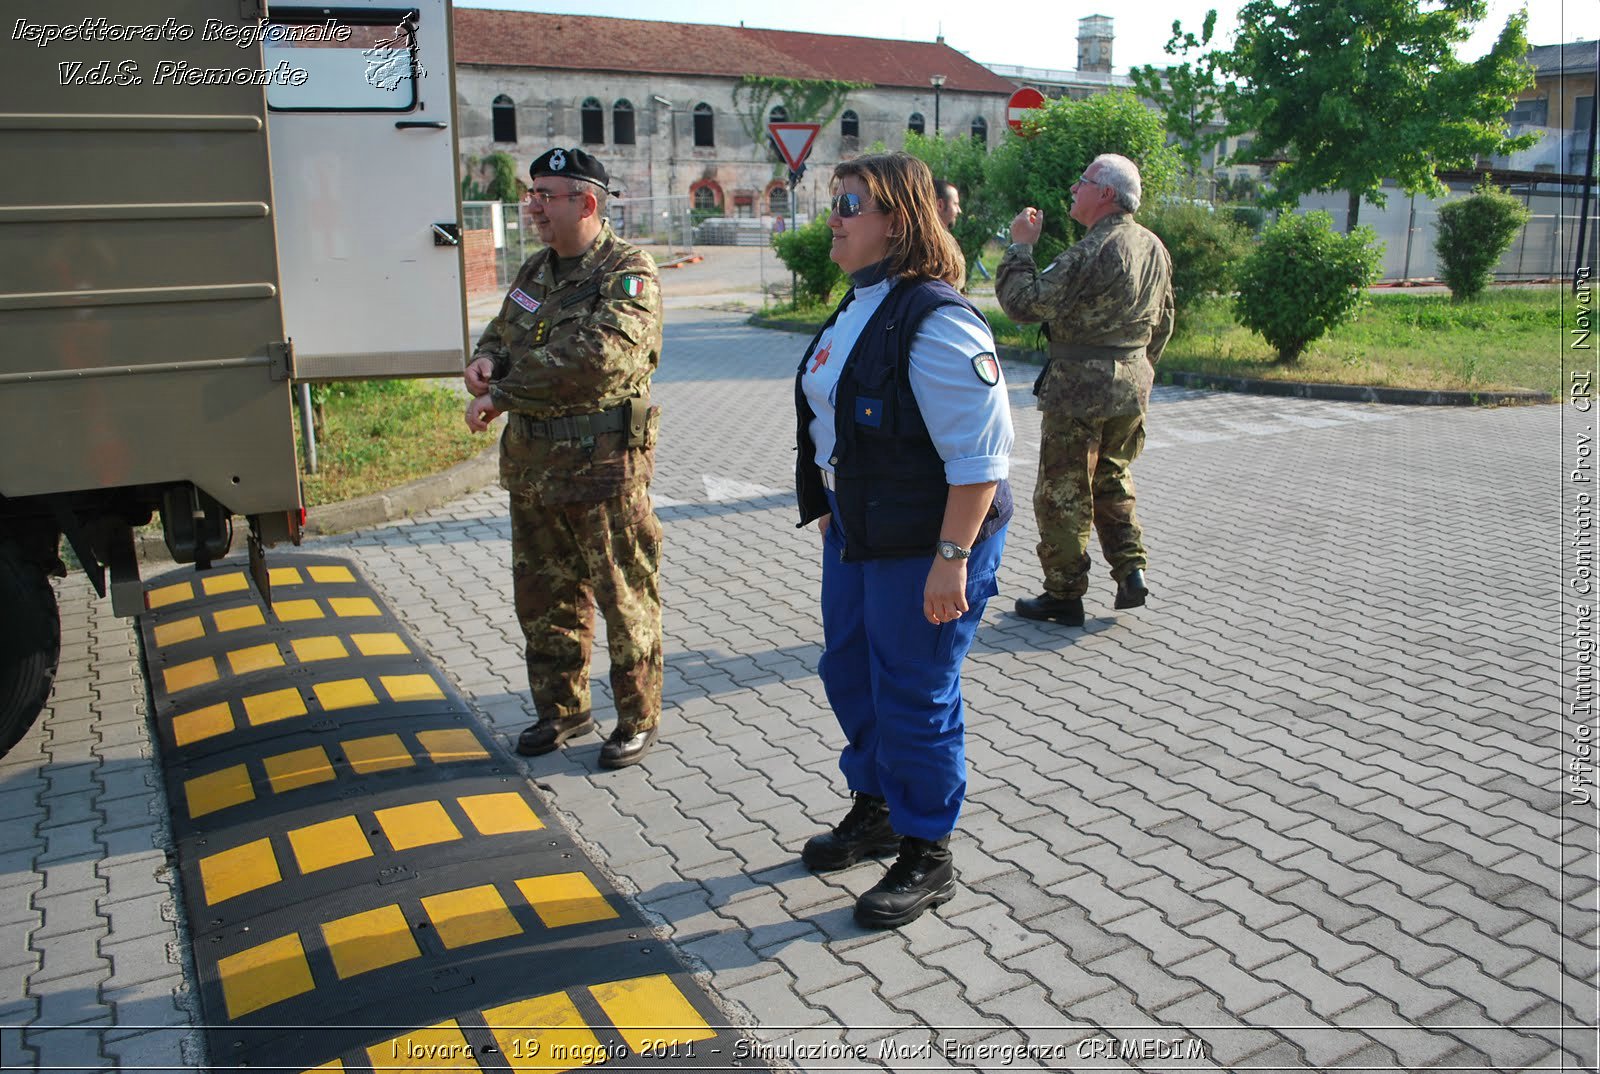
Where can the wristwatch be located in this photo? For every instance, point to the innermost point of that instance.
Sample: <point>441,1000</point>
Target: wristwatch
<point>951,550</point>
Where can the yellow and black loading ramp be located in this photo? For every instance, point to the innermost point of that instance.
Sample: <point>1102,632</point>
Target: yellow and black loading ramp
<point>369,883</point>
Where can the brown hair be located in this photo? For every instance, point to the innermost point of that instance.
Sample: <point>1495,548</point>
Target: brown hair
<point>902,186</point>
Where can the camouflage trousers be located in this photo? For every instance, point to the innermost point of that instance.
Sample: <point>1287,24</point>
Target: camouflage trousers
<point>1084,481</point>
<point>565,559</point>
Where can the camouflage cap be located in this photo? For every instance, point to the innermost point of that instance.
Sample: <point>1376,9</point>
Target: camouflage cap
<point>570,164</point>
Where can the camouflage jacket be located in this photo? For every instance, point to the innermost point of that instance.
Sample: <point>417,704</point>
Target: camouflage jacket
<point>575,337</point>
<point>1112,292</point>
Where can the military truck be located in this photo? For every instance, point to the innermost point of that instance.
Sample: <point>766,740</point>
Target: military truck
<point>205,203</point>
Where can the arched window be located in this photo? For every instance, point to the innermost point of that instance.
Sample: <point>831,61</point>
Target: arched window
<point>705,198</point>
<point>504,113</point>
<point>622,122</point>
<point>915,123</point>
<point>779,114</point>
<point>778,199</point>
<point>594,122</point>
<point>705,132</point>
<point>849,125</point>
<point>980,130</point>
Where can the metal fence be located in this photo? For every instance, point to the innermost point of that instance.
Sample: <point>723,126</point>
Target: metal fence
<point>1408,227</point>
<point>662,222</point>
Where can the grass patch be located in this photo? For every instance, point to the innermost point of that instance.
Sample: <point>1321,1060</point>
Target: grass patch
<point>377,434</point>
<point>1509,339</point>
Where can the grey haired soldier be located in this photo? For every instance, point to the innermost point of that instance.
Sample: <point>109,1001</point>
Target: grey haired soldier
<point>1107,304</point>
<point>570,358</point>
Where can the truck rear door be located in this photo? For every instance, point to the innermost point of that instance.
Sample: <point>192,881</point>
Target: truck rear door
<point>365,176</point>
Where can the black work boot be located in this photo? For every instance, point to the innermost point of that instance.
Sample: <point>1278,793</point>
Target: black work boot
<point>863,833</point>
<point>626,748</point>
<point>1044,607</point>
<point>1131,591</point>
<point>548,735</point>
<point>922,877</point>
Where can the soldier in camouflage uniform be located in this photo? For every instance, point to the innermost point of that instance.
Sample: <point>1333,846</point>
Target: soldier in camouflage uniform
<point>570,358</point>
<point>1107,306</point>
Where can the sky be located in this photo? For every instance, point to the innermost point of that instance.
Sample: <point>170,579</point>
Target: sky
<point>1026,34</point>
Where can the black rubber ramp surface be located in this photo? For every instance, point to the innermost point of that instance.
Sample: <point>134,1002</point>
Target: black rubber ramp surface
<point>370,883</point>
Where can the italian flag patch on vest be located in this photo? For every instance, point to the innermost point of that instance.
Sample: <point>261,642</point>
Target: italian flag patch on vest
<point>632,285</point>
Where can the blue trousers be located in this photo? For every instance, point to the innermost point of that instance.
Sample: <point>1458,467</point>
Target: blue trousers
<point>894,680</point>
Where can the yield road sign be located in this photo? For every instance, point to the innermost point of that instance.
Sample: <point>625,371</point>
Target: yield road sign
<point>794,141</point>
<point>1021,107</point>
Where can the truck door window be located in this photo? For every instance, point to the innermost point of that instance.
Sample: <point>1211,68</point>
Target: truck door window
<point>354,60</point>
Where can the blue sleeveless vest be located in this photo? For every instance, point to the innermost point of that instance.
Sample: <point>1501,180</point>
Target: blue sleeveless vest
<point>890,484</point>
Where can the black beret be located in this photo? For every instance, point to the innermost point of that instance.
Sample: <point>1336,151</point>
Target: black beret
<point>570,164</point>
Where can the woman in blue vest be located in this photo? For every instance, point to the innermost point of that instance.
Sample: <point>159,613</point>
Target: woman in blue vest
<point>904,445</point>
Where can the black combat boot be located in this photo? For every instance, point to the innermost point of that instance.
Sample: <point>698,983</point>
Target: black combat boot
<point>922,877</point>
<point>1131,592</point>
<point>1044,607</point>
<point>548,735</point>
<point>863,833</point>
<point>626,748</point>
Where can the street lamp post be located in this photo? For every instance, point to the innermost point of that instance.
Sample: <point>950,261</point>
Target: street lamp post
<point>937,81</point>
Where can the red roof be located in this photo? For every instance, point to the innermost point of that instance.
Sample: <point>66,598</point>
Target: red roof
<point>593,43</point>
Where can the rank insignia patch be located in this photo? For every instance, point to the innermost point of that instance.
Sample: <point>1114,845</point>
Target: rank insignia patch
<point>987,368</point>
<point>869,412</point>
<point>632,285</point>
<point>526,301</point>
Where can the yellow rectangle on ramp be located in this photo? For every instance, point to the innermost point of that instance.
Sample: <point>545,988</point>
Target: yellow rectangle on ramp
<point>264,975</point>
<point>499,814</point>
<point>543,1034</point>
<point>565,899</point>
<point>411,687</point>
<point>201,724</point>
<point>417,825</point>
<point>224,583</point>
<point>218,790</point>
<point>436,1047</point>
<point>273,706</point>
<point>180,630</point>
<point>379,753</point>
<point>310,650</point>
<point>457,744</point>
<point>650,1010</point>
<point>328,843</point>
<point>168,594</point>
<point>240,618</point>
<point>298,768</point>
<point>187,676</point>
<point>295,611</point>
<point>345,694</point>
<point>255,658</point>
<point>237,871</point>
<point>369,941</point>
<point>353,607</point>
<point>330,574</point>
<point>380,644</point>
<point>283,576</point>
<point>469,916</point>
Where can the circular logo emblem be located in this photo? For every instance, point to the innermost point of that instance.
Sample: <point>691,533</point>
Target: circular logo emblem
<point>558,161</point>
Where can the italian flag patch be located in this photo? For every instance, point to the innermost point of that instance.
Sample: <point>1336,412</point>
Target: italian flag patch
<point>632,285</point>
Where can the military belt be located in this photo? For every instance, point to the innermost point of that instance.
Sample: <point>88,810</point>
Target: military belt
<point>1083,352</point>
<point>576,426</point>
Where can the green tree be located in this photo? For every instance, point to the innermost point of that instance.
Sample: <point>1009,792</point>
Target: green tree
<point>1206,248</point>
<point>1067,135</point>
<point>961,160</point>
<point>1187,94</point>
<point>806,250</point>
<point>1352,92</point>
<point>1304,279</point>
<point>1473,234</point>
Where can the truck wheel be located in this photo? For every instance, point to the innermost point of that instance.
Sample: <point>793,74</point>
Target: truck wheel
<point>30,644</point>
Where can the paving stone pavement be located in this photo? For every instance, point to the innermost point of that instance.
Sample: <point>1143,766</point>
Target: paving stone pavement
<point>1303,812</point>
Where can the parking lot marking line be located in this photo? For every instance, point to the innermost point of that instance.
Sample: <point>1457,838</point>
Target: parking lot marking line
<point>245,868</point>
<point>565,899</point>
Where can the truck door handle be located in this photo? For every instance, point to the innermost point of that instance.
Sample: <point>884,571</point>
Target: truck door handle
<point>447,234</point>
<point>419,124</point>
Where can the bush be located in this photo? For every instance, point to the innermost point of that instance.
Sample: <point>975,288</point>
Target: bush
<point>1304,279</point>
<point>1206,247</point>
<point>805,251</point>
<point>1473,235</point>
<point>1250,217</point>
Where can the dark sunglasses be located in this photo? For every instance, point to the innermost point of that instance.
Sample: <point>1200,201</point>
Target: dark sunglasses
<point>849,205</point>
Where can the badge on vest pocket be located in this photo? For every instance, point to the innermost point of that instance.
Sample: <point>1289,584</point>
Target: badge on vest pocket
<point>869,412</point>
